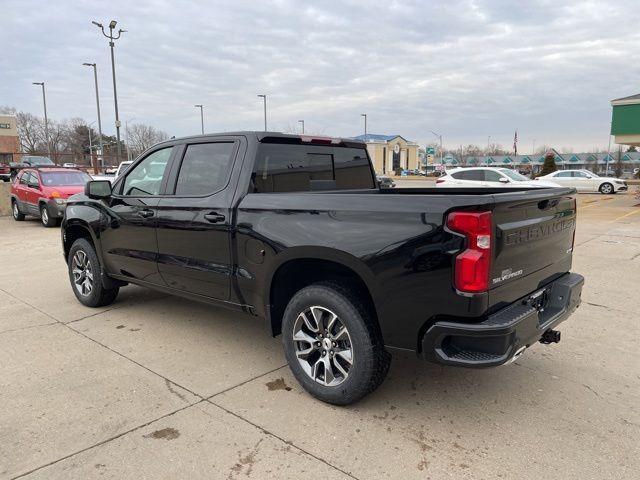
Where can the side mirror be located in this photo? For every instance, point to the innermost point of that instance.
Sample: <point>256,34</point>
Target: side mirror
<point>503,180</point>
<point>589,176</point>
<point>98,189</point>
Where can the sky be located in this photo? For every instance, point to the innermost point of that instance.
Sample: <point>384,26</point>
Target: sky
<point>465,69</point>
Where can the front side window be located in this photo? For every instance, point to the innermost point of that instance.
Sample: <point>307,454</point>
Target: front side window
<point>579,175</point>
<point>513,175</point>
<point>491,176</point>
<point>146,177</point>
<point>205,168</point>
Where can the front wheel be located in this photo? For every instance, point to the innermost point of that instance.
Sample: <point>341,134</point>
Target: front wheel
<point>45,218</point>
<point>606,189</point>
<point>332,344</point>
<point>85,274</point>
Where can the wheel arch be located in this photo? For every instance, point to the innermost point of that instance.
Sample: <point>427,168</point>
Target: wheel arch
<point>299,267</point>
<point>75,229</point>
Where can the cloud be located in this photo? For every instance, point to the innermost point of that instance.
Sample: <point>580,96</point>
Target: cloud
<point>467,68</point>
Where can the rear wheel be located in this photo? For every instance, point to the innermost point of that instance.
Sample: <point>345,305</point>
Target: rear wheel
<point>85,274</point>
<point>606,188</point>
<point>332,345</point>
<point>45,218</point>
<point>17,216</point>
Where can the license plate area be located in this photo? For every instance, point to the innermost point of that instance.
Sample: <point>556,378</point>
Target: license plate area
<point>538,300</point>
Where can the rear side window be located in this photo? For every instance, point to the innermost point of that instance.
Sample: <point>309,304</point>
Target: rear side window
<point>293,168</point>
<point>205,168</point>
<point>563,174</point>
<point>474,175</point>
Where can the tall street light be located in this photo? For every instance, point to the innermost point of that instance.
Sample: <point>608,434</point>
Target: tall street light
<point>111,37</point>
<point>440,137</point>
<point>201,117</point>
<point>302,123</point>
<point>46,120</point>
<point>264,98</point>
<point>95,78</point>
<point>365,124</point>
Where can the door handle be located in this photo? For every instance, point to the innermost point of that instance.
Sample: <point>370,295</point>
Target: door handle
<point>214,217</point>
<point>145,213</point>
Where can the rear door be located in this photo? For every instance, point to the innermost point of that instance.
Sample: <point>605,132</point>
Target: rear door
<point>533,242</point>
<point>195,218</point>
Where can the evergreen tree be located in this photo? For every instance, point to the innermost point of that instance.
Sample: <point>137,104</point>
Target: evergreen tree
<point>549,165</point>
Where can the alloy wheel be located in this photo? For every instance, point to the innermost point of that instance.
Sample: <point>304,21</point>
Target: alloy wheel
<point>16,212</point>
<point>44,216</point>
<point>323,346</point>
<point>606,188</point>
<point>82,273</point>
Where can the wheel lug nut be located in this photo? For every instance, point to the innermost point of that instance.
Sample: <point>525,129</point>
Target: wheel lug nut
<point>317,344</point>
<point>334,344</point>
<point>324,352</point>
<point>331,353</point>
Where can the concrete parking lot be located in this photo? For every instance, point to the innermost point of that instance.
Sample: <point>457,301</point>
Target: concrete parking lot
<point>159,387</point>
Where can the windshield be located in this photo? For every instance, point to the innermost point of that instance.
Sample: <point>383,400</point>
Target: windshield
<point>59,179</point>
<point>514,175</point>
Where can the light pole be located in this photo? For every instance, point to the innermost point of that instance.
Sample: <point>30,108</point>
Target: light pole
<point>440,137</point>
<point>201,117</point>
<point>95,77</point>
<point>302,122</point>
<point>264,98</point>
<point>365,125</point>
<point>112,25</point>
<point>46,120</point>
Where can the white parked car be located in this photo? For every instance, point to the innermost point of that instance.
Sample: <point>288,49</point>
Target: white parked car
<point>490,177</point>
<point>120,170</point>
<point>585,181</point>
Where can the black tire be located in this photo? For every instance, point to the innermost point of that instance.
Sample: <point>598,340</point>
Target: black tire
<point>46,219</point>
<point>608,187</point>
<point>17,216</point>
<point>370,359</point>
<point>97,296</point>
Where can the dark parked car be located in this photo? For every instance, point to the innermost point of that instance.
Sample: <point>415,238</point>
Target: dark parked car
<point>386,182</point>
<point>296,230</point>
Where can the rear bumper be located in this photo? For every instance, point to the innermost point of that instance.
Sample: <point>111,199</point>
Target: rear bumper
<point>506,333</point>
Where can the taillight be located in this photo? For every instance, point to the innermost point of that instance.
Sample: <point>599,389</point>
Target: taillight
<point>472,265</point>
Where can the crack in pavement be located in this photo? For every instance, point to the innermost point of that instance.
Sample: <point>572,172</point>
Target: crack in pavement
<point>168,383</point>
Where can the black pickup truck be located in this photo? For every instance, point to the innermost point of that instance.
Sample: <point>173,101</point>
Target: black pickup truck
<point>295,230</point>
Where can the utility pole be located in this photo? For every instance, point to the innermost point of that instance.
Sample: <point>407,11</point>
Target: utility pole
<point>365,124</point>
<point>95,77</point>
<point>264,98</point>
<point>111,38</point>
<point>46,120</point>
<point>302,122</point>
<point>201,117</point>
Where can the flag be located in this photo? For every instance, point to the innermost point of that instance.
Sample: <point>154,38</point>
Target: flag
<point>515,143</point>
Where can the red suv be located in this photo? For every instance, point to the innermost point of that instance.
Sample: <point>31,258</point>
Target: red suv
<point>43,192</point>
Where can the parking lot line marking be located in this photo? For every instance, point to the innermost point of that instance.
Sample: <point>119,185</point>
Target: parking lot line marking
<point>627,215</point>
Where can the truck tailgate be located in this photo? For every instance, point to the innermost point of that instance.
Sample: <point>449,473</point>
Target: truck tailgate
<point>533,242</point>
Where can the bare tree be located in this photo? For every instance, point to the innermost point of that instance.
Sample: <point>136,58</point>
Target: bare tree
<point>31,133</point>
<point>141,136</point>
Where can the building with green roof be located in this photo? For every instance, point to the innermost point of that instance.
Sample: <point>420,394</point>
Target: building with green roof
<point>625,121</point>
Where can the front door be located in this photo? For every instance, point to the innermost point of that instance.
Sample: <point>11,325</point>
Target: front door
<point>129,247</point>
<point>195,219</point>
